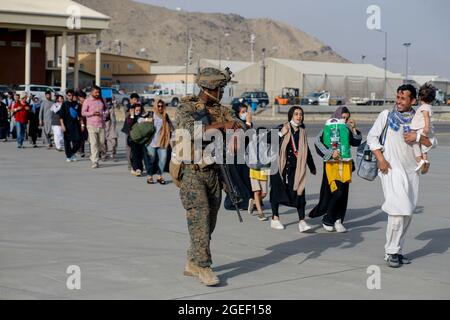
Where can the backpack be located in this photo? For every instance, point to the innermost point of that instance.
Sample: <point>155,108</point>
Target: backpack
<point>365,160</point>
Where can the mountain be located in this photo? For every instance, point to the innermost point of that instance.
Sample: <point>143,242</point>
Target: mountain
<point>162,32</point>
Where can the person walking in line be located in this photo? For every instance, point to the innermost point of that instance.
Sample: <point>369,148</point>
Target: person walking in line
<point>81,97</point>
<point>94,109</point>
<point>70,119</point>
<point>134,101</point>
<point>397,164</point>
<point>4,123</point>
<point>288,184</point>
<point>58,135</point>
<point>160,143</point>
<point>33,121</point>
<point>110,132</point>
<point>20,111</point>
<point>337,173</point>
<point>45,119</point>
<point>12,122</point>
<point>136,115</point>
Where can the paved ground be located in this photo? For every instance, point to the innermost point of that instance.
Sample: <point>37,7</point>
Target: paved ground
<point>129,239</point>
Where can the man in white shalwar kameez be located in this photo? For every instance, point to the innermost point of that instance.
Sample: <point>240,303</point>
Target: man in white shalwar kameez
<point>397,163</point>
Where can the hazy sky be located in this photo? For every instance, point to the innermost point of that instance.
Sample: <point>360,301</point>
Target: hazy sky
<point>342,25</point>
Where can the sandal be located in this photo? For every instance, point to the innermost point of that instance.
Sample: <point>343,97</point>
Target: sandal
<point>150,180</point>
<point>161,180</point>
<point>425,167</point>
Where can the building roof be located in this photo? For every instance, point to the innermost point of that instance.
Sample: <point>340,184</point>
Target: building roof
<point>423,79</point>
<point>340,69</point>
<point>172,69</point>
<point>121,56</point>
<point>50,14</point>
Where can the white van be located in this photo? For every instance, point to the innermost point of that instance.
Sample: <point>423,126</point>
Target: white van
<point>37,90</point>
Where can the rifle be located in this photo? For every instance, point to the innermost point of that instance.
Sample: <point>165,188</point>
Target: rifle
<point>231,190</point>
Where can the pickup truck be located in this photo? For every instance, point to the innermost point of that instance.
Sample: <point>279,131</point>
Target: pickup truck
<point>322,98</point>
<point>149,97</point>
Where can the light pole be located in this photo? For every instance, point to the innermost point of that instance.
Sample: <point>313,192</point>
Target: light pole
<point>188,50</point>
<point>385,62</point>
<point>407,45</point>
<point>363,57</point>
<point>252,47</point>
<point>220,48</point>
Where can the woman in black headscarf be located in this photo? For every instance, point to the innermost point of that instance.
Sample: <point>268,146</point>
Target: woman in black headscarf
<point>288,184</point>
<point>336,176</point>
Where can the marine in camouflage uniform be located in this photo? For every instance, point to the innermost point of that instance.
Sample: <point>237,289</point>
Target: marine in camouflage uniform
<point>200,188</point>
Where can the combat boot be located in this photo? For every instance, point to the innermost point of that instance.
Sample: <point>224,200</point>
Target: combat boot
<point>191,269</point>
<point>207,276</point>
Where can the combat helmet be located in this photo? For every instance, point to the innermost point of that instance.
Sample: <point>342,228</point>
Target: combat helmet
<point>212,78</point>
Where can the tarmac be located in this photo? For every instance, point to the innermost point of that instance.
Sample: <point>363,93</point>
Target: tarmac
<point>129,239</point>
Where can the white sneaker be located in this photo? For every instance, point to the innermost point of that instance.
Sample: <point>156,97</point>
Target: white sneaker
<point>339,226</point>
<point>276,224</point>
<point>251,206</point>
<point>328,228</point>
<point>74,158</point>
<point>303,226</point>
<point>68,160</point>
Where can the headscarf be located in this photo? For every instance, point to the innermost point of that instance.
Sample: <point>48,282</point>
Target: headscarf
<point>164,136</point>
<point>35,105</point>
<point>339,111</point>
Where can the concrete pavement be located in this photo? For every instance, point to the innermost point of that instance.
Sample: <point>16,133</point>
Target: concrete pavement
<point>129,239</point>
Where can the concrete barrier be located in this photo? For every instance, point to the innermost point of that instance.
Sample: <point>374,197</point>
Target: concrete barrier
<point>359,113</point>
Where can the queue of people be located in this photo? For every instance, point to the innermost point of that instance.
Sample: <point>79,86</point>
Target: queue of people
<point>67,122</point>
<point>400,140</point>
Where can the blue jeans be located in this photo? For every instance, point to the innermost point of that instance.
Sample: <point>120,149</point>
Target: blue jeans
<point>162,158</point>
<point>20,130</point>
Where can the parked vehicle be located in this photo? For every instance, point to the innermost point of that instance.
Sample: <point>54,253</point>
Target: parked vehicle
<point>149,97</point>
<point>58,90</point>
<point>119,98</point>
<point>4,89</point>
<point>37,90</point>
<point>289,96</point>
<point>358,101</point>
<point>322,98</point>
<point>261,96</point>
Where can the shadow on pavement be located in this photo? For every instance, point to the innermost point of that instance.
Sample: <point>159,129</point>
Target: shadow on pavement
<point>313,245</point>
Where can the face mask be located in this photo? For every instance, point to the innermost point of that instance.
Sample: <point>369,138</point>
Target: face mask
<point>243,116</point>
<point>295,124</point>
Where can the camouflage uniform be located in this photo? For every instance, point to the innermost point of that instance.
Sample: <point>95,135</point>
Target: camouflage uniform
<point>200,189</point>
